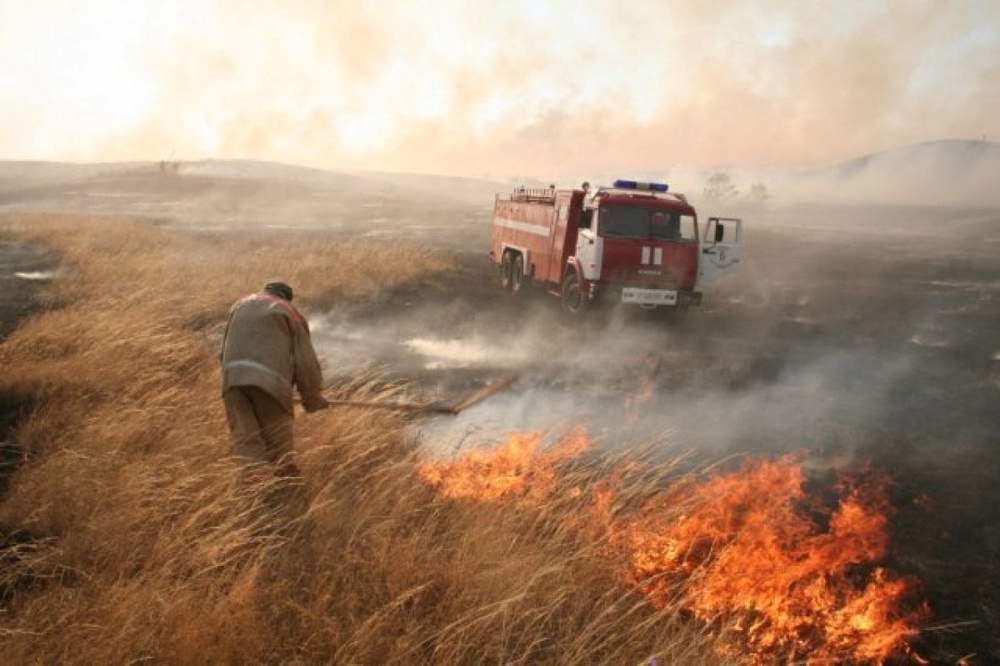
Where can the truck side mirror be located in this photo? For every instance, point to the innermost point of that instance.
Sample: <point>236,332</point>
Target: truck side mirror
<point>720,232</point>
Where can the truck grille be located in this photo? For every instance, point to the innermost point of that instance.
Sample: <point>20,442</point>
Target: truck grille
<point>644,278</point>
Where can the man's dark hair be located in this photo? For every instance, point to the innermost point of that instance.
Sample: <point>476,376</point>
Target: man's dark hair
<point>279,289</point>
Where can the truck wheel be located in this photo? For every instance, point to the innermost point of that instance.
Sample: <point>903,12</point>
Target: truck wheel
<point>506,270</point>
<point>517,274</point>
<point>571,296</point>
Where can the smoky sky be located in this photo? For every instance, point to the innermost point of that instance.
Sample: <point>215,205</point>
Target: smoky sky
<point>501,89</point>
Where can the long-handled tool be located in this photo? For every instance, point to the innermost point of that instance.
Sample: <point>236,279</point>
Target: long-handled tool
<point>399,406</point>
<point>472,398</point>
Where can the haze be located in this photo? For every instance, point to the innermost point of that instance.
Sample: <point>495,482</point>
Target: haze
<point>463,88</point>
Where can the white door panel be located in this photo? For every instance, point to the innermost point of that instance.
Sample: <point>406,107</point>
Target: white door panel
<point>720,249</point>
<point>590,252</point>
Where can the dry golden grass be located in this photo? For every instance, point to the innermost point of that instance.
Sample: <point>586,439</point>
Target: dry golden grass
<point>145,547</point>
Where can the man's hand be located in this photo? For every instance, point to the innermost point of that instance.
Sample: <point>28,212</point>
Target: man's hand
<point>315,404</point>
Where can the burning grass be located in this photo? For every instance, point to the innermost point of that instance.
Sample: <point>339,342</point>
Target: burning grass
<point>521,469</point>
<point>785,574</point>
<point>781,574</point>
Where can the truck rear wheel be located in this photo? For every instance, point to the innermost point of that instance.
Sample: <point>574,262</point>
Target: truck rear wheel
<point>517,274</point>
<point>572,298</point>
<point>506,270</point>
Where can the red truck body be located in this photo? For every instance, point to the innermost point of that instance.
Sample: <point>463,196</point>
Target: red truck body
<point>632,242</point>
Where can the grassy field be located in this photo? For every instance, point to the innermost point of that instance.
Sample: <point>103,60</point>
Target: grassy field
<point>129,536</point>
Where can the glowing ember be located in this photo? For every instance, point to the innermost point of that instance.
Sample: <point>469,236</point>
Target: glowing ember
<point>518,468</point>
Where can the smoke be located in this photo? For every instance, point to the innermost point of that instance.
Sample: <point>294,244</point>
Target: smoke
<point>853,332</point>
<point>514,88</point>
<point>37,275</point>
<point>825,403</point>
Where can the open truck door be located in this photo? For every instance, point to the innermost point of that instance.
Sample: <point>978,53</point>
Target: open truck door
<point>721,249</point>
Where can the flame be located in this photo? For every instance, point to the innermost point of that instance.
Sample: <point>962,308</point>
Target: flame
<point>647,384</point>
<point>518,468</point>
<point>640,397</point>
<point>747,550</point>
<point>786,577</point>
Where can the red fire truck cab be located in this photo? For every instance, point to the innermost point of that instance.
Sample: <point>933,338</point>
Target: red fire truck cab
<point>633,242</point>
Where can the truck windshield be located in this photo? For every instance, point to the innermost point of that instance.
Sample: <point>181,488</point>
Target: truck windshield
<point>646,224</point>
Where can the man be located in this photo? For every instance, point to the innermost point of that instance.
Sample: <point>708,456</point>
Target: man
<point>267,353</point>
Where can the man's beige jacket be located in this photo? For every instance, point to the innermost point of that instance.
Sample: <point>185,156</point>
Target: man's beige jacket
<point>267,345</point>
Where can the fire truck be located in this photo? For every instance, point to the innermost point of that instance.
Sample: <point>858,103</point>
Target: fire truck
<point>633,242</point>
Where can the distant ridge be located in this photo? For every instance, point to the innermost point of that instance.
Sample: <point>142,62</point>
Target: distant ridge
<point>950,172</point>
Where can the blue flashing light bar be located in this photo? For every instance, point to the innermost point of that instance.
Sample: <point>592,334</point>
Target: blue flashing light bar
<point>637,185</point>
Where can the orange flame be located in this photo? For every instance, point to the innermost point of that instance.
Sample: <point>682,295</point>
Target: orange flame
<point>518,468</point>
<point>742,549</point>
<point>640,397</point>
<point>787,578</point>
<point>644,393</point>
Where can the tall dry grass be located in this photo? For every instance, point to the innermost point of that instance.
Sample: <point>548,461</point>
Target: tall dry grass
<point>138,543</point>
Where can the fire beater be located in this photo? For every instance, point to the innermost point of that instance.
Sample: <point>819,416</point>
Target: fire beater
<point>633,242</point>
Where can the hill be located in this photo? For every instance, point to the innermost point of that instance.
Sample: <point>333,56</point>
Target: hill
<point>947,172</point>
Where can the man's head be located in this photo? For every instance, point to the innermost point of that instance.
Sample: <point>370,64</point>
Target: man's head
<point>279,289</point>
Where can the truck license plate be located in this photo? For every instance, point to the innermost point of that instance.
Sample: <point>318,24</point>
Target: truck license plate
<point>649,296</point>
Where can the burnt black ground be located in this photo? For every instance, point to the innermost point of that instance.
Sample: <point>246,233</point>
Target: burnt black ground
<point>21,266</point>
<point>858,334</point>
<point>17,292</point>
